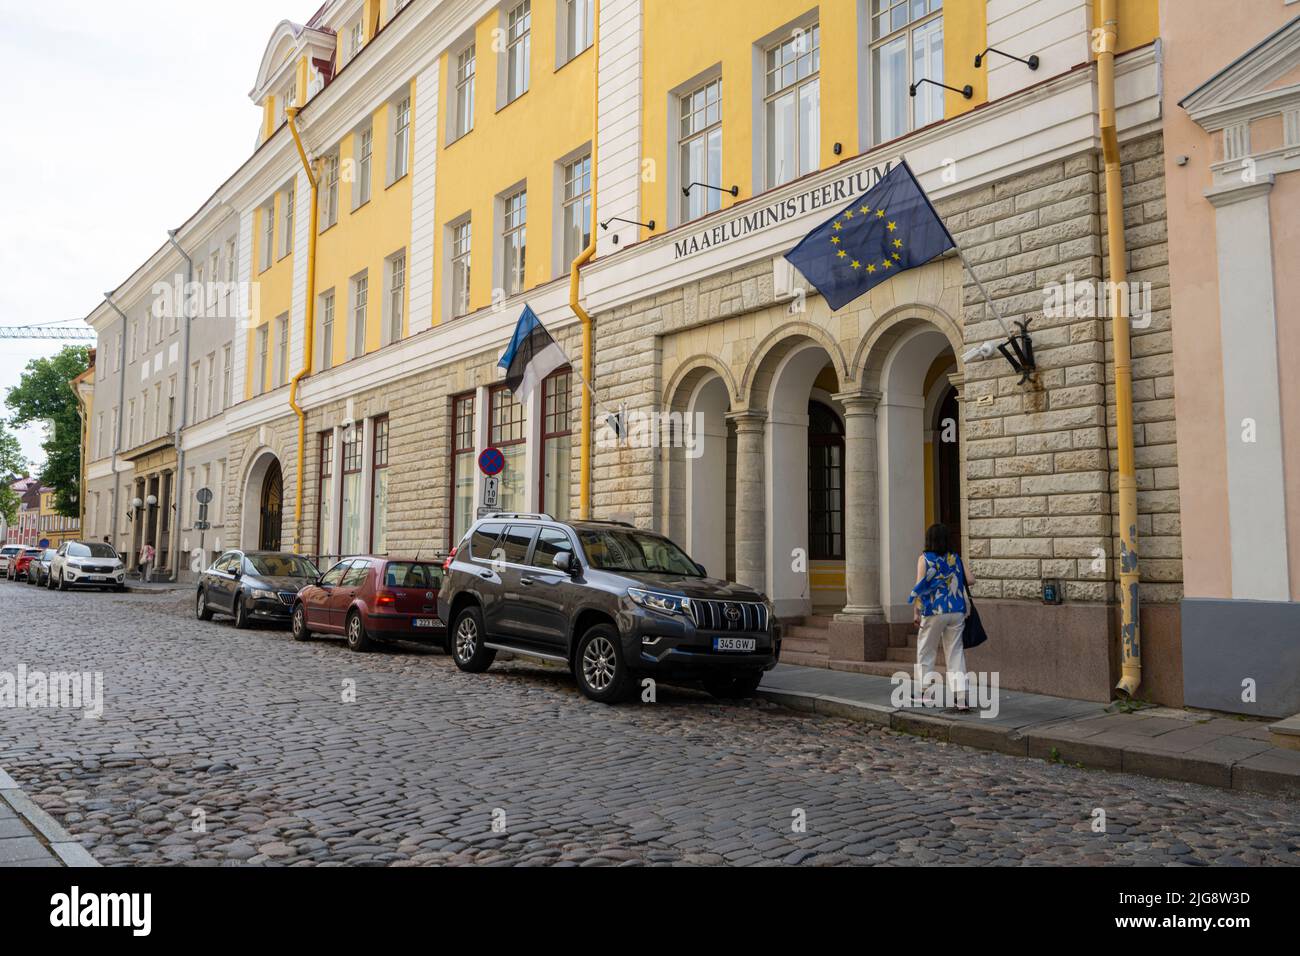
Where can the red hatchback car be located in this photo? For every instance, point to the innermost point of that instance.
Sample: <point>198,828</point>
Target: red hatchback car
<point>20,566</point>
<point>369,599</point>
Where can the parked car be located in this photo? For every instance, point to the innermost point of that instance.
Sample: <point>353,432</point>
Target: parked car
<point>608,600</point>
<point>19,564</point>
<point>38,572</point>
<point>369,599</point>
<point>253,586</point>
<point>87,564</point>
<point>7,554</point>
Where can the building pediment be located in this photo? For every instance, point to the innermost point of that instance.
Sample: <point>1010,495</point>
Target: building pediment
<point>289,42</point>
<point>1251,86</point>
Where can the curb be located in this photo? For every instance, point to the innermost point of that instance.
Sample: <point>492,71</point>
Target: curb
<point>67,850</point>
<point>1270,773</point>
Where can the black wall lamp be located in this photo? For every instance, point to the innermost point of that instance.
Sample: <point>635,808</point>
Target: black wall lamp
<point>631,222</point>
<point>967,91</point>
<point>1032,62</point>
<point>734,190</point>
<point>1019,351</point>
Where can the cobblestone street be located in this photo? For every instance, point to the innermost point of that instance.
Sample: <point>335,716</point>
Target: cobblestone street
<point>247,733</point>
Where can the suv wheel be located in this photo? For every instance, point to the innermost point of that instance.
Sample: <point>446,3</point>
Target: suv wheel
<point>467,648</point>
<point>739,686</point>
<point>356,632</point>
<point>599,666</point>
<point>61,584</point>
<point>241,614</point>
<point>299,624</point>
<point>201,609</point>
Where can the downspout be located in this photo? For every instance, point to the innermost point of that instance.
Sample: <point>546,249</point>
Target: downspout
<point>1130,631</point>
<point>120,358</point>
<point>178,495</point>
<point>309,333</point>
<point>584,478</point>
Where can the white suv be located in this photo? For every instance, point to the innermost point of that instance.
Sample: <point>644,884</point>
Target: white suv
<point>87,564</point>
<point>7,554</point>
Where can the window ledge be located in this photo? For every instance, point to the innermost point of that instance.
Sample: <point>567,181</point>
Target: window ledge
<point>575,56</point>
<point>397,180</point>
<point>457,139</point>
<point>508,103</point>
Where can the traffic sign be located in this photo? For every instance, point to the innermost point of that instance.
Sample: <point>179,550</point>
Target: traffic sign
<point>204,495</point>
<point>491,491</point>
<point>491,462</point>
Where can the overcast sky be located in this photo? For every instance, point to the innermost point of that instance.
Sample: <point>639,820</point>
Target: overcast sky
<point>121,118</point>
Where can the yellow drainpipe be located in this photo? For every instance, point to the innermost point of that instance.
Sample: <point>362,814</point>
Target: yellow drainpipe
<point>309,336</point>
<point>584,478</point>
<point>1130,630</point>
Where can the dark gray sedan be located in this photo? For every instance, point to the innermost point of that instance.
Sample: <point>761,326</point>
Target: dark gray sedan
<point>253,586</point>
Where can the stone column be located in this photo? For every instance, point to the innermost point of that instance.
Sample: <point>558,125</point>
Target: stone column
<point>751,498</point>
<point>859,632</point>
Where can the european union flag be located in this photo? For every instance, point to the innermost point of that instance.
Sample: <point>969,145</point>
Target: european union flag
<point>892,227</point>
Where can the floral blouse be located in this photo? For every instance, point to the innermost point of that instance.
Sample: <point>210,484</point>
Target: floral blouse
<point>942,590</point>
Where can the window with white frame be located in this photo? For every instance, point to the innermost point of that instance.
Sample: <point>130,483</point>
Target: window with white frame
<point>906,46</point>
<point>355,37</point>
<point>117,352</point>
<point>519,25</point>
<point>288,198</point>
<point>792,101</point>
<point>514,241</point>
<point>576,208</point>
<point>198,278</point>
<point>350,513</point>
<point>400,141</point>
<point>329,193</point>
<point>130,423</point>
<point>99,435</point>
<point>360,302</point>
<point>208,409</point>
<point>267,252</point>
<point>327,330</point>
<point>576,29</point>
<point>463,117</point>
<point>194,392</point>
<point>395,301</point>
<point>214,276</point>
<point>231,272</point>
<point>227,377</point>
<point>461,243</point>
<point>281,349</point>
<point>364,161</point>
<point>263,358</point>
<point>699,150</point>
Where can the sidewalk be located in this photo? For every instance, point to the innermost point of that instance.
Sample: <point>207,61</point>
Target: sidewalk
<point>31,837</point>
<point>1157,742</point>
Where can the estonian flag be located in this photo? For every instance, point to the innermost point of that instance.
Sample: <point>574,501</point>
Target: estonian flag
<point>531,356</point>
<point>892,227</point>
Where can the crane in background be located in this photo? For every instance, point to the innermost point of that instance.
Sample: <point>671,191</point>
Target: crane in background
<point>46,332</point>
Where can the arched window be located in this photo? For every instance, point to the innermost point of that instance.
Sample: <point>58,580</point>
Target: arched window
<point>825,484</point>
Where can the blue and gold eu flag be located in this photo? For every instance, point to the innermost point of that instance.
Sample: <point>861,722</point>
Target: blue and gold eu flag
<point>892,227</point>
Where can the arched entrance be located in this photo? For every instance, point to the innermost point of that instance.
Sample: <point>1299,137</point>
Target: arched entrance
<point>701,469</point>
<point>262,501</point>
<point>269,515</point>
<point>913,450</point>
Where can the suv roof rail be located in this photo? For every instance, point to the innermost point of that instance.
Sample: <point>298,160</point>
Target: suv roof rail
<point>621,524</point>
<point>535,516</point>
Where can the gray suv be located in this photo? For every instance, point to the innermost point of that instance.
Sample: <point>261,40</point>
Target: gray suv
<point>607,600</point>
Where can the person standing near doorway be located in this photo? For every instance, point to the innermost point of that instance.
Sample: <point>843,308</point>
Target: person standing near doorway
<point>146,563</point>
<point>940,608</point>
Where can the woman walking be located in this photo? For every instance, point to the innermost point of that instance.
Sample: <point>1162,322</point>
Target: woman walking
<point>146,562</point>
<point>941,608</point>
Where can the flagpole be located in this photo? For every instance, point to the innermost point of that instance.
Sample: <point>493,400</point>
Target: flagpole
<point>988,300</point>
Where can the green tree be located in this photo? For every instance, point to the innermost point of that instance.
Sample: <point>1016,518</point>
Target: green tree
<point>44,395</point>
<point>12,466</point>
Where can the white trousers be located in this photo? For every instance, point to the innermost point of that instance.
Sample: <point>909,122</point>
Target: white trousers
<point>948,628</point>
